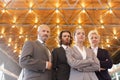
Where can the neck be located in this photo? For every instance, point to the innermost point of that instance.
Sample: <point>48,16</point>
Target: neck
<point>80,45</point>
<point>94,46</point>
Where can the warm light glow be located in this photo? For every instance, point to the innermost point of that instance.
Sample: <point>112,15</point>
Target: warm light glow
<point>101,21</point>
<point>30,4</point>
<point>114,31</point>
<point>58,29</point>
<point>57,10</point>
<point>83,4</point>
<point>30,10</point>
<point>14,19</point>
<point>83,10</point>
<point>107,40</point>
<point>57,5</point>
<point>102,46</point>
<point>9,44</point>
<point>3,30</point>
<point>13,26</point>
<point>15,51</point>
<point>109,3</point>
<point>102,26</point>
<point>79,26</point>
<point>108,45</point>
<point>79,21</point>
<point>3,11</point>
<point>26,39</point>
<point>36,20</point>
<point>15,47</point>
<point>58,20</point>
<point>9,40</point>
<point>58,26</point>
<point>1,36</point>
<point>4,4</point>
<point>21,31</point>
<point>20,36</point>
<point>110,11</point>
<point>115,37</point>
<point>35,26</point>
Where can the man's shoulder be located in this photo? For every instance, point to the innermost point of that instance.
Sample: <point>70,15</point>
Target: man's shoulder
<point>57,48</point>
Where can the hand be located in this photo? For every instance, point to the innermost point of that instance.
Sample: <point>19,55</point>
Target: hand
<point>49,65</point>
<point>106,60</point>
<point>102,68</point>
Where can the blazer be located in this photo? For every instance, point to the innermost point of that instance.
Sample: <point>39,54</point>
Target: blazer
<point>61,69</point>
<point>82,69</point>
<point>33,60</point>
<point>105,62</point>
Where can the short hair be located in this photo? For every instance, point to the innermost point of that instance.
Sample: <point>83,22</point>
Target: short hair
<point>60,37</point>
<point>42,25</point>
<point>93,32</point>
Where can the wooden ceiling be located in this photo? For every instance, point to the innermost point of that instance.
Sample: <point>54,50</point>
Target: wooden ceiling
<point>19,20</point>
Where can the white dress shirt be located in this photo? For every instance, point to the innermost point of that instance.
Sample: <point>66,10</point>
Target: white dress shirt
<point>95,50</point>
<point>64,46</point>
<point>83,52</point>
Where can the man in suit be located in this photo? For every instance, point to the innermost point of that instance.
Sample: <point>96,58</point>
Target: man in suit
<point>102,55</point>
<point>61,69</point>
<point>36,58</point>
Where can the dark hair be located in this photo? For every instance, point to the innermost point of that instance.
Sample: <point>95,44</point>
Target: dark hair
<point>60,37</point>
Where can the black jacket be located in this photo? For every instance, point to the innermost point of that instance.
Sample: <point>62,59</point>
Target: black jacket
<point>61,69</point>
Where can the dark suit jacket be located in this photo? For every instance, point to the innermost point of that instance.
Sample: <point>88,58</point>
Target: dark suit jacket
<point>105,62</point>
<point>33,60</point>
<point>61,69</point>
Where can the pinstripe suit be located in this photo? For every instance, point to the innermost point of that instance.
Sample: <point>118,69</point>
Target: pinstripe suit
<point>33,60</point>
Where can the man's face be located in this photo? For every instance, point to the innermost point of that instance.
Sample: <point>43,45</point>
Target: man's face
<point>44,33</point>
<point>65,38</point>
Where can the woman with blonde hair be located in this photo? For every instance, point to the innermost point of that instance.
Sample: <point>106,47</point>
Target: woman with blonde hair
<point>82,60</point>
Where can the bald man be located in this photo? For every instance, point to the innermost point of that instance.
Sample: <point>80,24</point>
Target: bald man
<point>36,58</point>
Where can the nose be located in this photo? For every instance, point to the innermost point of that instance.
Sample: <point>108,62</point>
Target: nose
<point>46,32</point>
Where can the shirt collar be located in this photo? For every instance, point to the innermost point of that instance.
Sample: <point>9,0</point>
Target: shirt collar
<point>64,46</point>
<point>40,40</point>
<point>95,48</point>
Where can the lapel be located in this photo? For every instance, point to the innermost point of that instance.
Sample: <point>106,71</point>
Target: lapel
<point>77,53</point>
<point>98,52</point>
<point>62,51</point>
<point>40,45</point>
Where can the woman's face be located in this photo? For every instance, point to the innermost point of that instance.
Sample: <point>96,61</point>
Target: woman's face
<point>94,39</point>
<point>79,35</point>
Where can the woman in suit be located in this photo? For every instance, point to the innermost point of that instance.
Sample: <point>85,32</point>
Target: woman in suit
<point>102,54</point>
<point>82,60</point>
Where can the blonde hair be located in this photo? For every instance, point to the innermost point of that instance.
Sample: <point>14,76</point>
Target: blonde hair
<point>93,32</point>
<point>76,30</point>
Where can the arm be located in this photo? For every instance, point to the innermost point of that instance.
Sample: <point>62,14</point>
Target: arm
<point>54,62</point>
<point>28,61</point>
<point>95,66</point>
<point>108,61</point>
<point>76,63</point>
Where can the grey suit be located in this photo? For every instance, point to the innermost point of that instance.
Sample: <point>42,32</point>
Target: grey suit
<point>33,60</point>
<point>82,69</point>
